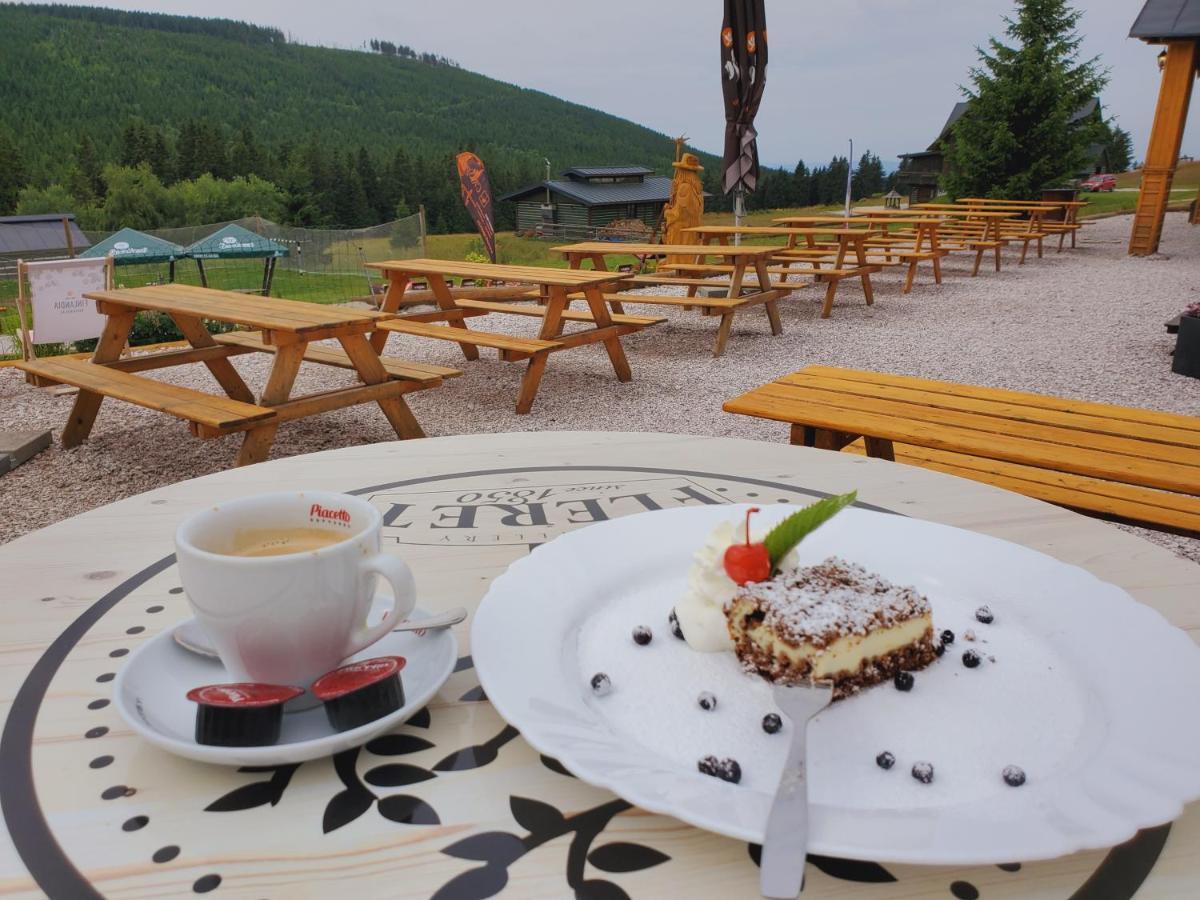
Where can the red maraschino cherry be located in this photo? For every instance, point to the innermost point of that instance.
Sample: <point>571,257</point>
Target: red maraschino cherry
<point>745,563</point>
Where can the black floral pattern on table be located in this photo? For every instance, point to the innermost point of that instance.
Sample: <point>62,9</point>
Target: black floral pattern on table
<point>498,850</point>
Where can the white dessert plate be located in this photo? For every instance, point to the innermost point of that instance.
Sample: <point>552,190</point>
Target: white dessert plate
<point>1089,692</point>
<point>150,693</point>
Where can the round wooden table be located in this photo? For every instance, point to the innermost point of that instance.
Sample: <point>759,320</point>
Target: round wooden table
<point>455,805</point>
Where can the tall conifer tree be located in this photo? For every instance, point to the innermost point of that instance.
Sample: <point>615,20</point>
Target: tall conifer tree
<point>1018,134</point>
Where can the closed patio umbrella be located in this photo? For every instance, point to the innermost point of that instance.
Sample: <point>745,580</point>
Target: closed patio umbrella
<point>743,78</point>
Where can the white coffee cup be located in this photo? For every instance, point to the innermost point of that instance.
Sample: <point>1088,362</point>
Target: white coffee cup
<point>292,617</point>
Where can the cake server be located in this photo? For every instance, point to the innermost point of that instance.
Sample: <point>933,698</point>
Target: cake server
<point>785,843</point>
<point>190,635</point>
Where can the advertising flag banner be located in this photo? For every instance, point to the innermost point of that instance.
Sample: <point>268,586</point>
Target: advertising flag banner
<point>477,196</point>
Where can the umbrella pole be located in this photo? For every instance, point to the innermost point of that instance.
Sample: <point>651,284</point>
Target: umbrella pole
<point>739,211</point>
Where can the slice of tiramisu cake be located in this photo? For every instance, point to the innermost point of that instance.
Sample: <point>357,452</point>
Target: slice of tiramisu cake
<point>832,621</point>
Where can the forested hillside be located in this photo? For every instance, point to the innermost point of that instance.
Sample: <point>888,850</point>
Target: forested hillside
<point>149,120</point>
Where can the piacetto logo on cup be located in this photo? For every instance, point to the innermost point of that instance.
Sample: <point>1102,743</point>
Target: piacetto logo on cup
<point>318,513</point>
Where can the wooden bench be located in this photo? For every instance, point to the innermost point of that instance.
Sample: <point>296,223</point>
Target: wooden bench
<point>1133,464</point>
<point>208,415</point>
<point>571,315</point>
<point>396,368</point>
<point>510,347</point>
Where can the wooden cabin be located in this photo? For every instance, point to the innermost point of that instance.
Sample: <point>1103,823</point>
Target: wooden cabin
<point>588,198</point>
<point>921,171</point>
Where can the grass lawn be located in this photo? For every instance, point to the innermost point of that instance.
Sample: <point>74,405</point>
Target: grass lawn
<point>1187,175</point>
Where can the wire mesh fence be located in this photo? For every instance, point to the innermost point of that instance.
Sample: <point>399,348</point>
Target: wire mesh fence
<point>320,265</point>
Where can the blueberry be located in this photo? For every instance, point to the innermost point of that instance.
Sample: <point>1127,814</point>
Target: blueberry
<point>947,636</point>
<point>939,649</point>
<point>885,760</point>
<point>601,684</point>
<point>673,621</point>
<point>772,724</point>
<point>707,700</point>
<point>903,681</point>
<point>642,635</point>
<point>725,769</point>
<point>971,659</point>
<point>923,772</point>
<point>984,615</point>
<point>1014,776</point>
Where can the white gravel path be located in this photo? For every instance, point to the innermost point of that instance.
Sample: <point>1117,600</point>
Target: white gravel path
<point>1086,324</point>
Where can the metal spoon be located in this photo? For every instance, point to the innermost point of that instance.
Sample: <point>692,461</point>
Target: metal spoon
<point>190,635</point>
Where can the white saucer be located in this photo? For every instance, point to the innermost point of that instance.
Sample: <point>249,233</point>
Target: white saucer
<point>150,693</point>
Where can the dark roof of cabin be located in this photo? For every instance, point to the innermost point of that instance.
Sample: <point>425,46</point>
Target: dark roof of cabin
<point>651,190</point>
<point>960,110</point>
<point>1165,20</point>
<point>39,234</point>
<point>607,171</point>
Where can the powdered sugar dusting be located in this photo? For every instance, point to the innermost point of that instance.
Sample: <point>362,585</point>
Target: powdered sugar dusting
<point>819,604</point>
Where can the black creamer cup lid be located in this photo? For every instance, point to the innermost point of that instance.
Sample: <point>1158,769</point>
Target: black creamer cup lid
<point>356,676</point>
<point>243,695</point>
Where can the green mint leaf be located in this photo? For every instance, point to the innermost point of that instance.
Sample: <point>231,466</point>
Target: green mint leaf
<point>796,527</point>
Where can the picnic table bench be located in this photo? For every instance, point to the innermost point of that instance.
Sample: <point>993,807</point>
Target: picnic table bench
<point>920,243</point>
<point>843,252</point>
<point>1132,464</point>
<point>1067,224</point>
<point>284,328</point>
<point>1033,227</point>
<point>553,286</point>
<point>742,261</point>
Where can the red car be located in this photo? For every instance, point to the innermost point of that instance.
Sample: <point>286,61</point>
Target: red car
<point>1100,183</point>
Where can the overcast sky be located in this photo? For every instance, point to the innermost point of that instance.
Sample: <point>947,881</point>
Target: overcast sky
<point>883,72</point>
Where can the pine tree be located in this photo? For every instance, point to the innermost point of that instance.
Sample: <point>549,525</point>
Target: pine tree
<point>12,174</point>
<point>87,162</point>
<point>1018,134</point>
<point>1118,147</point>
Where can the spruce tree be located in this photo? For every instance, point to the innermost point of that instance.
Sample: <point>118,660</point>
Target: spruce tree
<point>1017,135</point>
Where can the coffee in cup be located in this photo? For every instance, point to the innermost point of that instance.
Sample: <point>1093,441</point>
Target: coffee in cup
<point>283,583</point>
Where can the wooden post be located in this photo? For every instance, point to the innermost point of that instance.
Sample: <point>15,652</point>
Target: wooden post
<point>1162,155</point>
<point>70,240</point>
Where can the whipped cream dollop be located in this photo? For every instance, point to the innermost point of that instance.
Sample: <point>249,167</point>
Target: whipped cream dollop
<point>701,610</point>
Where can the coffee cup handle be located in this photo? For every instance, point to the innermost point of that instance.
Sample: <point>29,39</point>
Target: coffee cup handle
<point>404,597</point>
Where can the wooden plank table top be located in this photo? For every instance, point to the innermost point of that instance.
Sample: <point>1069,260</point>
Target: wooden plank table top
<point>92,811</point>
<point>613,248</point>
<point>543,275</point>
<point>1099,449</point>
<point>266,313</point>
<point>859,221</point>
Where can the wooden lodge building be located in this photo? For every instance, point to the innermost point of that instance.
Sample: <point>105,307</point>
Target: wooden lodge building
<point>921,171</point>
<point>589,198</point>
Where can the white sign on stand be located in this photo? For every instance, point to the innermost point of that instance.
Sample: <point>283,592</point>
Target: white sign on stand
<point>61,314</point>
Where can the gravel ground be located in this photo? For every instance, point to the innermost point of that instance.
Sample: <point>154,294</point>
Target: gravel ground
<point>1085,324</point>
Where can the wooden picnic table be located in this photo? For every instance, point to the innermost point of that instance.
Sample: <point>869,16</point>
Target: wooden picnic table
<point>924,245</point>
<point>554,287</point>
<point>282,327</point>
<point>1137,464</point>
<point>739,259</point>
<point>92,810</point>
<point>1028,229</point>
<point>810,257</point>
<point>1068,224</point>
